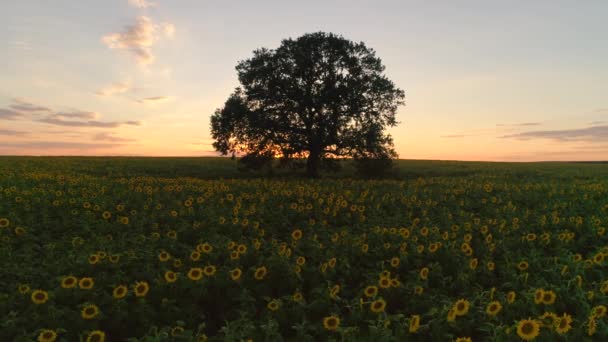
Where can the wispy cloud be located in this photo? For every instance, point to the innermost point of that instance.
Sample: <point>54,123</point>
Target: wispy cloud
<point>139,38</point>
<point>595,123</point>
<point>12,133</point>
<point>601,110</point>
<point>22,105</point>
<point>20,108</point>
<point>10,114</point>
<point>155,99</point>
<point>590,134</point>
<point>82,115</point>
<point>141,3</point>
<point>456,136</point>
<point>168,29</point>
<point>523,124</point>
<point>59,120</point>
<point>45,145</point>
<point>115,88</point>
<point>105,136</point>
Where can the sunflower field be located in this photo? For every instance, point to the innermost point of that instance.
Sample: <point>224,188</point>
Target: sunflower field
<point>97,250</point>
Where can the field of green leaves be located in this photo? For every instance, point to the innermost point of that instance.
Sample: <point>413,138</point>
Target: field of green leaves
<point>190,249</point>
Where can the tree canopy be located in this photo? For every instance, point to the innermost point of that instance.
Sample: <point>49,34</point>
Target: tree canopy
<point>318,97</point>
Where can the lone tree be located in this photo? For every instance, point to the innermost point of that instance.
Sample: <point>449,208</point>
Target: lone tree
<point>318,97</point>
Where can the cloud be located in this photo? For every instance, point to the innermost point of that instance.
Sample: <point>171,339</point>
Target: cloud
<point>523,124</point>
<point>595,123</point>
<point>10,132</point>
<point>601,110</point>
<point>155,99</point>
<point>168,29</point>
<point>19,108</point>
<point>590,134</point>
<point>456,136</point>
<point>9,114</point>
<point>138,39</point>
<point>115,88</point>
<point>141,3</point>
<point>45,145</point>
<point>77,115</point>
<point>59,120</point>
<point>105,136</point>
<point>22,105</point>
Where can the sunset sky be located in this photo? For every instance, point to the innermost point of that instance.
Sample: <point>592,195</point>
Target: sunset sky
<point>516,81</point>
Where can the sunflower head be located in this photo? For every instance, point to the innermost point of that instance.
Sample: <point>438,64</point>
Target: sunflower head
<point>548,297</point>
<point>89,311</point>
<point>378,305</point>
<point>120,292</point>
<point>331,323</point>
<point>47,335</point>
<point>528,329</point>
<point>493,308</point>
<point>371,291</point>
<point>538,296</point>
<point>96,336</point>
<point>40,296</point>
<point>69,282</point>
<point>209,270</point>
<point>141,289</point>
<point>235,274</point>
<point>86,283</point>
<point>260,273</point>
<point>461,307</point>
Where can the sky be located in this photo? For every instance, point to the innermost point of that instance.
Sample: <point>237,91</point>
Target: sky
<point>484,80</point>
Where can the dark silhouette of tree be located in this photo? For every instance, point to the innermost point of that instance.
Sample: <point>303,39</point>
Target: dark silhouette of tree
<point>317,97</point>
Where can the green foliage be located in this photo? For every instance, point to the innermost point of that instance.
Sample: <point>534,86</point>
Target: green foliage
<point>53,224</point>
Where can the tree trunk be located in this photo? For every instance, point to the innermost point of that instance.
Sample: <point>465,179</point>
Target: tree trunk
<point>312,163</point>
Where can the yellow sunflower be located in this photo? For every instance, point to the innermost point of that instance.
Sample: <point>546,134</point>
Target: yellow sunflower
<point>538,296</point>
<point>493,308</point>
<point>86,283</point>
<point>89,311</point>
<point>164,256</point>
<point>96,336</point>
<point>209,270</point>
<point>464,339</point>
<point>47,335</point>
<point>424,273</point>
<point>461,307</point>
<point>195,273</point>
<point>378,305</point>
<point>235,274</point>
<point>511,297</point>
<point>371,291</point>
<point>296,234</point>
<point>414,323</point>
<point>598,311</point>
<point>563,324</point>
<point>523,265</point>
<point>384,282</point>
<point>141,289</point>
<point>175,331</point>
<point>39,296</point>
<point>170,277</point>
<point>548,297</point>
<point>23,289</point>
<point>120,291</point>
<point>69,282</point>
<point>273,305</point>
<point>528,329</point>
<point>260,273</point>
<point>331,323</point>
